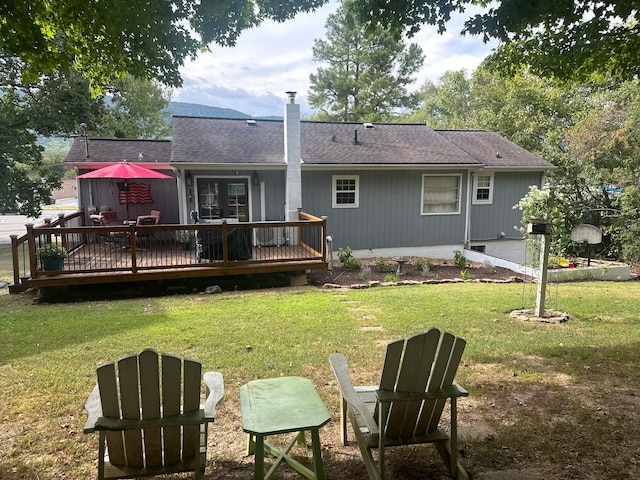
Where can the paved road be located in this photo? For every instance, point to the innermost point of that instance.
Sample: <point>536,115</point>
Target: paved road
<point>15,224</point>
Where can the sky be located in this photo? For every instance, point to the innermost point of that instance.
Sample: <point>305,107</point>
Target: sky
<point>274,58</point>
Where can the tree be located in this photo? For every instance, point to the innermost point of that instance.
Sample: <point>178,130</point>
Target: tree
<point>445,105</point>
<point>589,131</point>
<point>146,39</point>
<point>25,183</point>
<point>138,109</point>
<point>604,157</point>
<point>564,38</point>
<point>524,108</point>
<point>367,74</point>
<point>55,106</point>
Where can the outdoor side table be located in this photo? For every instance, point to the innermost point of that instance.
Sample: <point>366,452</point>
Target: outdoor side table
<point>282,405</point>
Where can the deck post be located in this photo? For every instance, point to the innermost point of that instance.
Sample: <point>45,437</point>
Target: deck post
<point>31,242</point>
<point>225,244</point>
<point>16,260</point>
<point>323,237</point>
<point>62,223</point>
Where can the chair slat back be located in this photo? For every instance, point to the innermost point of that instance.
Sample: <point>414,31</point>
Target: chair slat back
<point>130,404</point>
<point>150,399</point>
<point>191,403</point>
<point>138,390</point>
<point>413,376</point>
<point>451,357</point>
<point>171,376</point>
<point>108,384</point>
<point>426,361</point>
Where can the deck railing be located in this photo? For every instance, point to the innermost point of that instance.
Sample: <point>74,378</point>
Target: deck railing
<point>127,252</point>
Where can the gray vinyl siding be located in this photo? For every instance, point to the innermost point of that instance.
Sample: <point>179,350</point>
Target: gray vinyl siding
<point>105,193</point>
<point>487,221</point>
<point>389,212</point>
<point>274,195</point>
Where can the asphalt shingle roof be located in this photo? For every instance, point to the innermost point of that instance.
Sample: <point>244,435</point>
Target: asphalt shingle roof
<point>223,141</point>
<point>492,149</point>
<point>227,141</point>
<point>111,150</point>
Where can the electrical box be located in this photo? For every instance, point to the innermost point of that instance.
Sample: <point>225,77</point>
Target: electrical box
<point>538,227</point>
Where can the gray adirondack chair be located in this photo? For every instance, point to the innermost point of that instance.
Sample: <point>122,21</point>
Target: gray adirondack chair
<point>417,379</point>
<point>149,417</point>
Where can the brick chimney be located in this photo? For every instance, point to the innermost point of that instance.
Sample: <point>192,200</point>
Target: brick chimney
<point>292,157</point>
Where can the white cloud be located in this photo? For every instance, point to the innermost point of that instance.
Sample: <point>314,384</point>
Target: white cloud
<point>268,61</point>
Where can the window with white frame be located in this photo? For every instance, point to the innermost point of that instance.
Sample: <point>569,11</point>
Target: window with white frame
<point>483,188</point>
<point>440,194</point>
<point>346,191</point>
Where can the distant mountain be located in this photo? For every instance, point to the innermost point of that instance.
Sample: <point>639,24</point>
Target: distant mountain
<point>174,108</point>
<point>197,110</point>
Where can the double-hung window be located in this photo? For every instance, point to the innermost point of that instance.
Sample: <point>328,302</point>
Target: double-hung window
<point>441,194</point>
<point>483,188</point>
<point>346,191</point>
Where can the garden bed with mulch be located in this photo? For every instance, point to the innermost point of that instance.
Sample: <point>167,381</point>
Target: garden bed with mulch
<point>383,271</point>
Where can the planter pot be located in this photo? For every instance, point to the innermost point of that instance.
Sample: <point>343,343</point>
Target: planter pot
<point>51,264</point>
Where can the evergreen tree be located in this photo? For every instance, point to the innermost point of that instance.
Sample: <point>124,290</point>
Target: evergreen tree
<point>368,71</point>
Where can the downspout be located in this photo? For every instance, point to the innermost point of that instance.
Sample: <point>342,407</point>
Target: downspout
<point>467,220</point>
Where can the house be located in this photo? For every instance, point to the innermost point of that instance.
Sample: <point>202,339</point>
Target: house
<point>385,189</point>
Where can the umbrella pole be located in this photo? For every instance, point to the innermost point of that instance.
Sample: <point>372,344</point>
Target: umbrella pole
<point>126,193</point>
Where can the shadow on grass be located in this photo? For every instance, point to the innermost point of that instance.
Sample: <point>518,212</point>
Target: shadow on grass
<point>39,329</point>
<point>570,410</point>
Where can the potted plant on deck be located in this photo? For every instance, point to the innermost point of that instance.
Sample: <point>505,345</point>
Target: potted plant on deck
<point>185,238</point>
<point>52,256</point>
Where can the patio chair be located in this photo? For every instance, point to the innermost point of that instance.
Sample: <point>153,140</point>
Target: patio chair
<point>405,409</point>
<point>108,218</point>
<point>150,416</point>
<point>144,237</point>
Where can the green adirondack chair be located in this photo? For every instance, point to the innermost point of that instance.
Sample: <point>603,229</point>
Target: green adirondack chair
<point>417,379</point>
<point>149,417</point>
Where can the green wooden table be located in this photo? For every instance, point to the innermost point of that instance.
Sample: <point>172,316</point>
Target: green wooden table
<point>282,405</point>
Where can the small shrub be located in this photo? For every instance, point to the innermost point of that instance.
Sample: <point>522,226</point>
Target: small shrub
<point>347,259</point>
<point>465,275</point>
<point>185,236</point>
<point>390,277</point>
<point>423,265</point>
<point>365,273</point>
<point>489,267</point>
<point>459,260</point>
<point>383,266</point>
<point>344,254</point>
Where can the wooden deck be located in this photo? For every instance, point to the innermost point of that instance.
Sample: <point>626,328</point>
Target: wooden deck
<point>132,254</point>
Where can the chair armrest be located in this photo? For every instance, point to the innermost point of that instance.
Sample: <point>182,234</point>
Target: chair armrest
<point>94,410</point>
<point>452,391</point>
<point>340,369</point>
<point>190,418</point>
<point>215,393</point>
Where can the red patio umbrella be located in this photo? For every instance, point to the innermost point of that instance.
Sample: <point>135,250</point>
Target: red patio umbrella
<point>125,171</point>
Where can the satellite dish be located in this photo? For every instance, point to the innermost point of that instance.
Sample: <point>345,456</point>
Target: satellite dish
<point>585,233</point>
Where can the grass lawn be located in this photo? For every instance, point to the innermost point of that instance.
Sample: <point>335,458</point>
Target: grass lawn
<point>552,401</point>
